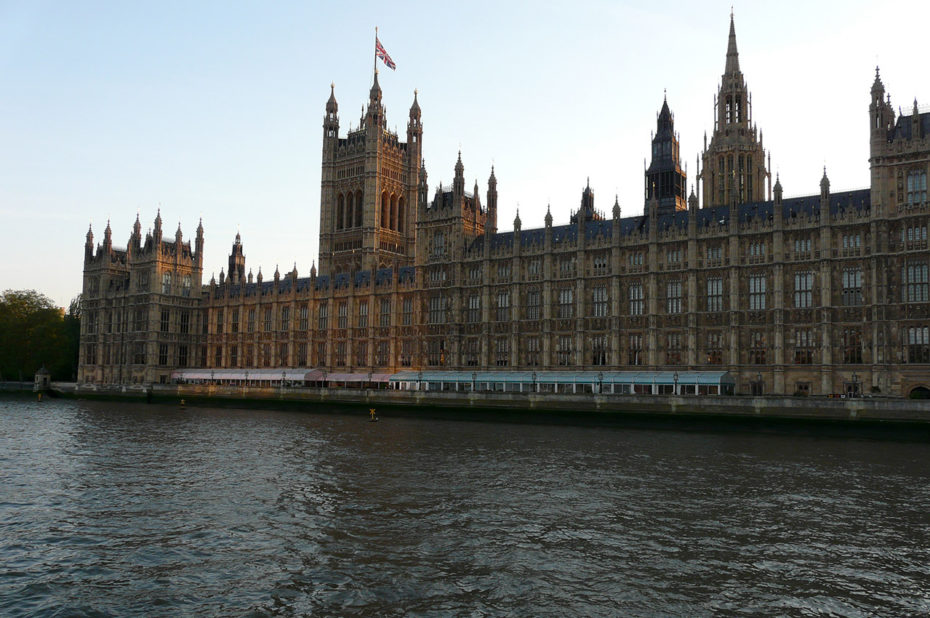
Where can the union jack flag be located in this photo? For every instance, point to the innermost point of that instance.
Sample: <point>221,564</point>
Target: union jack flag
<point>381,53</point>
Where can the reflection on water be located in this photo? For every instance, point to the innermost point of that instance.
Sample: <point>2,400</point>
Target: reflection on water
<point>114,509</point>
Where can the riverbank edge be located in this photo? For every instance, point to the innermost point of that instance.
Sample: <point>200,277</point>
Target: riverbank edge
<point>872,417</point>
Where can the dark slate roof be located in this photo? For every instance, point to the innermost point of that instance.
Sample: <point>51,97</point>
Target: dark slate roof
<point>502,239</point>
<point>564,233</point>
<point>903,127</point>
<point>632,225</point>
<point>532,237</point>
<point>677,219</point>
<point>303,284</point>
<point>362,278</point>
<point>407,274</point>
<point>341,280</point>
<point>384,276</point>
<point>322,282</point>
<point>593,229</point>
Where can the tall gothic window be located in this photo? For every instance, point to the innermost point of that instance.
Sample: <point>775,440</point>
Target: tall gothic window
<point>673,297</point>
<point>599,302</point>
<point>916,187</point>
<point>803,289</point>
<point>804,347</point>
<point>566,303</point>
<point>757,292</point>
<point>715,294</point>
<point>503,306</point>
<point>852,286</point>
<point>914,277</point>
<point>918,344</point>
<point>635,294</point>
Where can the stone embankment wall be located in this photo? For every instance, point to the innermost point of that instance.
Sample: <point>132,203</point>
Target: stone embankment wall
<point>774,407</point>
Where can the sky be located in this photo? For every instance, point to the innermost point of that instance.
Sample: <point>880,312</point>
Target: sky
<point>215,109</point>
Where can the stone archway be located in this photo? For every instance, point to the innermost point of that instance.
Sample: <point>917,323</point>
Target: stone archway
<point>919,392</point>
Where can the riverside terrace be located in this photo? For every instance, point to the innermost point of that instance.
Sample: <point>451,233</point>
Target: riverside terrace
<point>564,382</point>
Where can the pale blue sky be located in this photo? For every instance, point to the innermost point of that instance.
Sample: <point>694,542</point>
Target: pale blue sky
<point>214,109</point>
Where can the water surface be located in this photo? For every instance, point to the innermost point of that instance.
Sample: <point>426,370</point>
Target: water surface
<point>120,509</point>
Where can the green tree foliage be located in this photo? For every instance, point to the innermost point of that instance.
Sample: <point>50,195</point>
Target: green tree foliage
<point>34,332</point>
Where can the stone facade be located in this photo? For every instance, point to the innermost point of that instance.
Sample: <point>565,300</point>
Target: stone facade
<point>818,295</point>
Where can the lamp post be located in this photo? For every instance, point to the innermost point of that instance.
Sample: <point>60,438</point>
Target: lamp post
<point>675,378</point>
<point>474,376</point>
<point>855,385</point>
<point>758,384</point>
<point>534,382</point>
<point>600,382</point>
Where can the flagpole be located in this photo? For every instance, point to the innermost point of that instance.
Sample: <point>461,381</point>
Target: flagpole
<point>376,50</point>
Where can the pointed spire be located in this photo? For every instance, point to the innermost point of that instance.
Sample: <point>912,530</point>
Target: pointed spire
<point>415,108</point>
<point>824,182</point>
<point>312,269</point>
<point>178,234</point>
<point>548,216</point>
<point>331,105</point>
<point>137,226</point>
<point>616,212</point>
<point>90,234</point>
<point>459,168</point>
<point>158,220</point>
<point>375,94</point>
<point>778,188</point>
<point>517,224</point>
<point>200,228</point>
<point>732,54</point>
<point>878,88</point>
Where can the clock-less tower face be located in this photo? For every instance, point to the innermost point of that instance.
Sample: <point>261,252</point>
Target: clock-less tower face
<point>369,189</point>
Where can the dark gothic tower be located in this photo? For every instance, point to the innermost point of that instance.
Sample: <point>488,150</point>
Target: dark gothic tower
<point>237,262</point>
<point>665,180</point>
<point>734,167</point>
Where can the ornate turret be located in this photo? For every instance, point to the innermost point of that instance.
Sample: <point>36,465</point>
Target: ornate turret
<point>178,236</point>
<point>733,166</point>
<point>548,218</point>
<point>458,182</point>
<point>198,245</point>
<point>616,210</point>
<point>491,226</point>
<point>778,189</point>
<point>237,261</point>
<point>156,234</point>
<point>824,184</point>
<point>108,238</point>
<point>89,244</point>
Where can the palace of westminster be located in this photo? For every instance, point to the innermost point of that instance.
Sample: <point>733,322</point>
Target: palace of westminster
<point>802,295</point>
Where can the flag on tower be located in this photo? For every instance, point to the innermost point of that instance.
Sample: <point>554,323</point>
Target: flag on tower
<point>381,53</point>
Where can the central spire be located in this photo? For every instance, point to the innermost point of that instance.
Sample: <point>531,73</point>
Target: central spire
<point>732,54</point>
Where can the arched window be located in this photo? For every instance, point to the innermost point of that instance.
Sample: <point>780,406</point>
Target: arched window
<point>400,215</point>
<point>339,211</point>
<point>393,220</point>
<point>385,210</point>
<point>358,208</point>
<point>349,209</point>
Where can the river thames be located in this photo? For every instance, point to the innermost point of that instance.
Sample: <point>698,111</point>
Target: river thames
<point>114,509</point>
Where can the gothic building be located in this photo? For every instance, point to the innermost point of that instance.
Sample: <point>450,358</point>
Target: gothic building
<point>821,294</point>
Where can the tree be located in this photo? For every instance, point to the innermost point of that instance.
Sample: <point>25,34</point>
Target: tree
<point>33,333</point>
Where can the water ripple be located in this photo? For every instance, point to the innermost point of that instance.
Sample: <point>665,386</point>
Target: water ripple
<point>116,509</point>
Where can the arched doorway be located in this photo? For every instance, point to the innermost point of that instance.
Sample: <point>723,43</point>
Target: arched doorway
<point>919,392</point>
